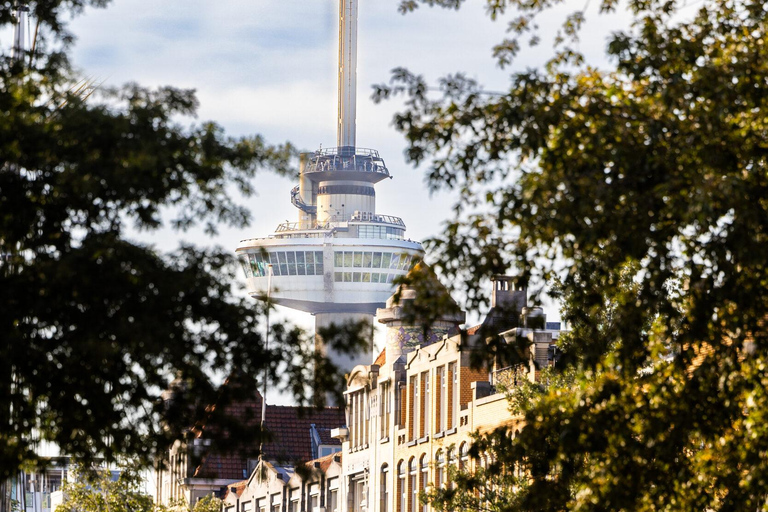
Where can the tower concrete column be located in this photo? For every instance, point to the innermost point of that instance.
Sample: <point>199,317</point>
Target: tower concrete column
<point>339,320</point>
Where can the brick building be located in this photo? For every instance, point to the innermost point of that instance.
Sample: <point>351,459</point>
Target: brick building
<point>194,470</point>
<point>410,414</point>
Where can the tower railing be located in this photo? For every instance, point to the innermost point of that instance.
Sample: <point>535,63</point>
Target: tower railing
<point>346,158</point>
<point>333,222</point>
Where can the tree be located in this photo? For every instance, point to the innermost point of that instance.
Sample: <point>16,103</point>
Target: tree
<point>97,490</point>
<point>95,325</point>
<point>652,171</point>
<point>209,503</point>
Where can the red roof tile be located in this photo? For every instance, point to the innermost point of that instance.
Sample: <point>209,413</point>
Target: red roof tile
<point>290,427</point>
<point>381,358</point>
<point>290,430</point>
<point>474,330</point>
<point>239,487</point>
<point>323,463</point>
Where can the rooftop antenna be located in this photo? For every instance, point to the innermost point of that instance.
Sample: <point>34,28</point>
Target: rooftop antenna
<point>266,368</point>
<point>345,133</point>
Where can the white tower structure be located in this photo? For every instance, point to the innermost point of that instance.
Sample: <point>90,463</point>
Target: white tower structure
<point>338,261</point>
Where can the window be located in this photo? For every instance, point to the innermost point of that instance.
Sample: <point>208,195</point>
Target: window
<point>247,270</point>
<point>451,459</point>
<point>383,494</point>
<point>385,406</point>
<point>441,408</point>
<point>424,479</point>
<point>425,405</point>
<point>359,495</point>
<point>333,495</point>
<point>453,397</point>
<point>415,427</point>
<point>358,419</point>
<point>439,469</point>
<point>314,497</point>
<point>413,475</point>
<point>464,457</point>
<point>276,502</point>
<point>291,259</point>
<point>402,492</point>
<point>295,496</point>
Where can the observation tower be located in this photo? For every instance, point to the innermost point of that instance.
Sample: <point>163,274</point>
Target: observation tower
<point>339,259</point>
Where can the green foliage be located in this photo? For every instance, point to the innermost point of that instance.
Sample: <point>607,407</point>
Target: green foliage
<point>524,396</point>
<point>94,490</point>
<point>96,325</point>
<point>641,189</point>
<point>209,503</point>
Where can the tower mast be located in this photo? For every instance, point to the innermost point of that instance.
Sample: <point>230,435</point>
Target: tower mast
<point>345,134</point>
<point>339,261</point>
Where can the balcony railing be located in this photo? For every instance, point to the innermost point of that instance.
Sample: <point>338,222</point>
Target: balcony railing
<point>346,158</point>
<point>334,223</point>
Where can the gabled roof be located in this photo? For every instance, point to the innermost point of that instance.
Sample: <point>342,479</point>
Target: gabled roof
<point>238,487</point>
<point>323,463</point>
<point>229,467</point>
<point>290,430</point>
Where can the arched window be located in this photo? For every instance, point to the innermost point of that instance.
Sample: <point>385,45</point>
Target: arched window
<point>383,486</point>
<point>439,469</point>
<point>413,473</point>
<point>451,461</point>
<point>464,457</point>
<point>402,491</point>
<point>424,478</point>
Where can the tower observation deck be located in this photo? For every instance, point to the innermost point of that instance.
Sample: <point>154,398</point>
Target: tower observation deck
<point>338,261</point>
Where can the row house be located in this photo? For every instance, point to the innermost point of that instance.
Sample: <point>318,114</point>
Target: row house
<point>410,414</point>
<point>412,411</point>
<point>193,469</point>
<point>315,485</point>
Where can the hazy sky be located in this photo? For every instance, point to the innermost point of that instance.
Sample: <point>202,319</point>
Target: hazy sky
<point>269,67</point>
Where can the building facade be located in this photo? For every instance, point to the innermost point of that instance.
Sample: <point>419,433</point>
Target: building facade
<point>411,413</point>
<point>193,469</point>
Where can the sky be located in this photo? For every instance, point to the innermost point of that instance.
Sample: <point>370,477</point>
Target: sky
<point>269,67</point>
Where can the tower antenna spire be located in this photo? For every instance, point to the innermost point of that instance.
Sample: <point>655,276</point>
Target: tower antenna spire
<point>345,134</point>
